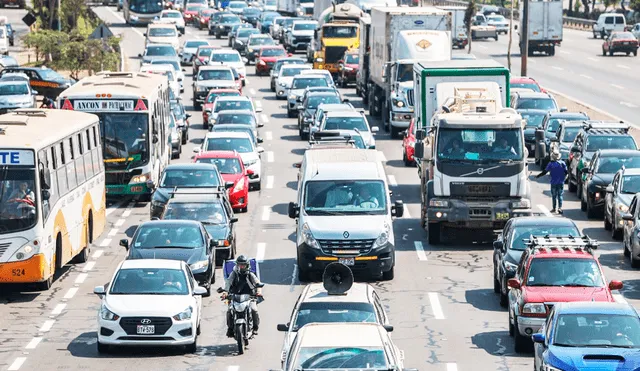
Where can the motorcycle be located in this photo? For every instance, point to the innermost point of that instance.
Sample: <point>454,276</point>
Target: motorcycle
<point>240,304</point>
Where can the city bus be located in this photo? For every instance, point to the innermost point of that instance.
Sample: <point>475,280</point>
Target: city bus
<point>52,192</point>
<point>141,12</point>
<point>132,107</point>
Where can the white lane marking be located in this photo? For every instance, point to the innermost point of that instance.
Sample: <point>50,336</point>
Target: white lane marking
<point>233,368</point>
<point>529,60</point>
<point>586,77</point>
<point>81,278</point>
<point>630,105</point>
<point>105,242</point>
<point>261,251</point>
<point>258,104</point>
<point>119,222</point>
<point>482,46</point>
<point>113,232</point>
<point>97,254</point>
<point>406,215</point>
<point>564,52</point>
<point>420,250</point>
<point>381,157</point>
<point>617,86</point>
<point>392,180</point>
<point>623,66</point>
<point>269,156</point>
<point>33,343</point>
<point>268,135</point>
<point>557,68</point>
<point>252,91</point>
<point>266,212</point>
<point>113,207</point>
<point>15,366</point>
<point>269,181</point>
<point>47,325</point>
<point>126,213</point>
<point>71,293</point>
<point>544,210</point>
<point>435,305</point>
<point>58,309</point>
<point>89,266</point>
<point>264,118</point>
<point>593,59</point>
<point>452,366</point>
<point>293,277</point>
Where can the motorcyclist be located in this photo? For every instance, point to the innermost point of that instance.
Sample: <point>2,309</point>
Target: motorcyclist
<point>242,281</point>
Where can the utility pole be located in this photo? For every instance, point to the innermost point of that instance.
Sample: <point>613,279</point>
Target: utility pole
<point>524,38</point>
<point>59,9</point>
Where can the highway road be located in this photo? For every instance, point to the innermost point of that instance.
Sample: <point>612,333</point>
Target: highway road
<point>441,303</point>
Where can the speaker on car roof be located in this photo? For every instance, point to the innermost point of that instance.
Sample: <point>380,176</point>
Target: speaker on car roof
<point>337,279</point>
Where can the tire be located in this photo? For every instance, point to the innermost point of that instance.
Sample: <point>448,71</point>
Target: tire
<point>496,37</point>
<point>625,249</point>
<point>304,275</point>
<point>388,275</point>
<point>635,263</point>
<point>405,159</point>
<point>273,88</point>
<point>552,51</point>
<point>572,187</point>
<point>583,204</point>
<point>45,285</point>
<point>239,339</point>
<point>611,53</point>
<point>616,233</point>
<point>102,348</point>
<point>591,211</point>
<point>193,347</point>
<point>384,115</point>
<point>257,186</point>
<point>521,343</point>
<point>290,114</point>
<point>434,232</point>
<point>635,53</point>
<point>579,187</point>
<point>185,137</point>
<point>496,283</point>
<point>595,35</point>
<point>512,329</point>
<point>608,225</point>
<point>504,299</point>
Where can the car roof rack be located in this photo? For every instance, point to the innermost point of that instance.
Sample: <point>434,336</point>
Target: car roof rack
<point>610,125</point>
<point>549,243</point>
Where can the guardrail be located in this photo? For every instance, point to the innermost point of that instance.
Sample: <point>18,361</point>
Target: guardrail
<point>578,23</point>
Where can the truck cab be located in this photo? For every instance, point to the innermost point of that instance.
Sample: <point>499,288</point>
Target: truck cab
<point>335,39</point>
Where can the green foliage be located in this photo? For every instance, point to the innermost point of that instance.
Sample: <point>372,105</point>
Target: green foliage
<point>577,6</point>
<point>635,5</point>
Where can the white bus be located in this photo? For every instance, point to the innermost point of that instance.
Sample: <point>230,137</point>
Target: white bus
<point>141,12</point>
<point>52,192</point>
<point>132,107</point>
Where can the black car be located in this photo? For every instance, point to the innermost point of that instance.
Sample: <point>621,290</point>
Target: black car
<point>223,25</point>
<point>180,176</point>
<point>211,209</point>
<point>593,136</point>
<point>510,245</point>
<point>533,119</point>
<point>251,15</point>
<point>307,111</point>
<point>550,124</point>
<point>599,175</point>
<point>185,240</point>
<point>46,81</point>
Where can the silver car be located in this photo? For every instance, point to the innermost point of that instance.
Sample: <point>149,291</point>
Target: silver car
<point>298,86</point>
<point>625,184</point>
<point>189,49</point>
<point>16,94</point>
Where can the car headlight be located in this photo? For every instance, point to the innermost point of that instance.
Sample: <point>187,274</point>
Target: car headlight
<point>184,315</point>
<point>308,237</point>
<point>220,26</point>
<point>622,207</point>
<point>239,186</point>
<point>383,238</point>
<point>398,103</point>
<point>522,204</point>
<point>292,97</point>
<point>25,252</point>
<point>534,308</point>
<point>250,50</point>
<point>108,315</point>
<point>510,267</point>
<point>250,162</point>
<point>438,203</point>
<point>551,368</point>
<point>199,265</point>
<point>142,178</point>
<point>348,69</point>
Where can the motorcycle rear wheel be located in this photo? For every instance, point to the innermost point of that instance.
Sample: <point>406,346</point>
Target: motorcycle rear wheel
<point>239,338</point>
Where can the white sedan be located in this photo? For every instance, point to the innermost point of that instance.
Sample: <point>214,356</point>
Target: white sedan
<point>175,17</point>
<point>499,22</point>
<point>150,302</point>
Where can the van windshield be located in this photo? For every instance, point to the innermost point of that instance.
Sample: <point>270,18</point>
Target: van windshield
<point>345,197</point>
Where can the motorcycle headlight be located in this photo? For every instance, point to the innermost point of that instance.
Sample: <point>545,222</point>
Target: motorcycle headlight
<point>308,237</point>
<point>534,308</point>
<point>622,207</point>
<point>108,315</point>
<point>184,315</point>
<point>438,203</point>
<point>250,162</point>
<point>199,265</point>
<point>383,238</point>
<point>522,204</point>
<point>510,267</point>
<point>142,178</point>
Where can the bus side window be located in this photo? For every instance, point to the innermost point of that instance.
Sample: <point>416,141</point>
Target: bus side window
<point>96,151</point>
<point>42,164</point>
<point>61,171</point>
<point>53,192</point>
<point>88,160</point>
<point>80,167</point>
<point>71,165</point>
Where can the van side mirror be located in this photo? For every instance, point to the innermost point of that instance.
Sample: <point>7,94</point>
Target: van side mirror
<point>497,245</point>
<point>397,209</point>
<point>99,290</point>
<point>538,337</point>
<point>294,210</point>
<point>282,327</point>
<point>46,195</point>
<point>513,283</point>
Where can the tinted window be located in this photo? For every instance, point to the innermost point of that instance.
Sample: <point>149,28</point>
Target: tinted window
<point>533,87</point>
<point>570,134</point>
<point>227,105</point>
<point>167,236</point>
<point>564,272</point>
<point>520,233</point>
<point>225,57</point>
<point>199,211</point>
<point>630,184</point>
<point>160,50</point>
<point>334,312</point>
<point>303,83</point>
<point>241,145</point>
<point>611,165</point>
<point>304,26</point>
<point>224,165</point>
<point>543,103</point>
<point>597,330</point>
<point>345,123</point>
<point>224,118</point>
<point>212,97</point>
<point>14,89</point>
<point>162,32</point>
<point>315,101</point>
<point>190,178</point>
<point>215,75</point>
<point>533,119</point>
<point>272,52</point>
<point>596,142</point>
<point>292,71</point>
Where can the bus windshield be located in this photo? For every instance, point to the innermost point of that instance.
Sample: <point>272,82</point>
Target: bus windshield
<point>145,6</point>
<point>124,143</point>
<point>17,198</point>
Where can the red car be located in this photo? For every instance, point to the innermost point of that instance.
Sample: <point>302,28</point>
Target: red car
<point>409,144</point>
<point>211,97</point>
<point>203,18</point>
<point>230,166</point>
<point>348,68</point>
<point>526,83</point>
<point>191,12</point>
<point>620,42</point>
<point>553,269</point>
<point>267,57</point>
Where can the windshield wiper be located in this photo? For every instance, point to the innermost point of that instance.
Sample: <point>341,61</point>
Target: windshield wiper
<point>608,346</point>
<point>173,247</point>
<point>211,222</point>
<point>577,285</point>
<point>567,345</point>
<point>327,212</point>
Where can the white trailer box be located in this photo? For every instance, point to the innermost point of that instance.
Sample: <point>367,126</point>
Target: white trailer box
<point>458,29</point>
<point>545,26</point>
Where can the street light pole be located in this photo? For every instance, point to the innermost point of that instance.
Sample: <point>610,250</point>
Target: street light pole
<point>524,38</point>
<point>59,9</point>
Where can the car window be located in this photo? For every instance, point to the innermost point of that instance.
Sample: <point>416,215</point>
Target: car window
<point>232,118</point>
<point>608,20</point>
<point>330,312</point>
<point>226,105</point>
<point>596,142</point>
<point>346,123</point>
<point>597,330</point>
<point>211,212</point>
<point>162,32</point>
<point>611,165</point>
<point>272,52</point>
<point>225,165</point>
<point>521,233</point>
<point>156,236</point>
<point>303,83</point>
<point>536,103</point>
<point>569,134</point>
<point>564,272</point>
<point>225,57</point>
<point>241,145</point>
<point>630,184</point>
<point>190,178</point>
<point>215,75</point>
<point>149,281</point>
<point>533,119</point>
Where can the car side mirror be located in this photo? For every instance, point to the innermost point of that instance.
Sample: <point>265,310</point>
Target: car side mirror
<point>345,100</point>
<point>615,285</point>
<point>538,337</point>
<point>609,189</point>
<point>228,185</point>
<point>46,195</point>
<point>283,327</point>
<point>497,245</point>
<point>258,109</point>
<point>513,283</point>
<point>213,243</point>
<point>99,290</point>
<point>260,140</point>
<point>389,328</point>
<point>397,209</point>
<point>233,220</point>
<point>197,150</point>
<point>563,109</point>
<point>124,243</point>
<point>199,290</point>
<point>294,210</point>
<point>260,125</point>
<point>375,129</point>
<point>188,115</point>
<point>628,217</point>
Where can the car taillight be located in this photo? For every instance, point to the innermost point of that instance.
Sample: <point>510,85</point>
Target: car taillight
<point>570,156</point>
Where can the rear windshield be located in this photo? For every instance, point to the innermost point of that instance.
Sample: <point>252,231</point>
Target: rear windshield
<point>596,142</point>
<point>534,103</point>
<point>305,83</point>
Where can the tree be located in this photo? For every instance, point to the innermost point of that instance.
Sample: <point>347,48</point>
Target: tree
<point>468,19</point>
<point>635,5</point>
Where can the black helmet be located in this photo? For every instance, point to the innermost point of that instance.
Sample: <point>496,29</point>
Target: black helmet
<point>242,264</point>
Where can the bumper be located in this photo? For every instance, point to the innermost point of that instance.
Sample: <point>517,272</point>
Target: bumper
<point>529,325</point>
<point>464,214</point>
<point>171,337</point>
<point>239,199</point>
<point>624,49</point>
<point>461,43</point>
<point>292,105</point>
<point>373,264</point>
<point>264,68</point>
<point>400,119</point>
<point>298,45</point>
<point>281,91</point>
<point>34,269</point>
<point>127,189</point>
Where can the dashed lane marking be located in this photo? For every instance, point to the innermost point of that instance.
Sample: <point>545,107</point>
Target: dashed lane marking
<point>266,212</point>
<point>113,207</point>
<point>593,59</point>
<point>586,77</point>
<point>264,118</point>
<point>545,210</point>
<point>617,86</point>
<point>420,250</point>
<point>15,366</point>
<point>106,242</point>
<point>89,266</point>
<point>33,343</point>
<point>381,157</point>
<point>71,293</point>
<point>563,52</point>
<point>58,309</point>
<point>261,251</point>
<point>233,368</point>
<point>252,91</point>
<point>119,223</point>
<point>481,46</point>
<point>557,68</point>
<point>392,180</point>
<point>407,214</point>
<point>269,156</point>
<point>452,367</point>
<point>630,105</point>
<point>47,325</point>
<point>269,181</point>
<point>435,305</point>
<point>127,212</point>
<point>113,232</point>
<point>81,278</point>
<point>97,254</point>
<point>268,135</point>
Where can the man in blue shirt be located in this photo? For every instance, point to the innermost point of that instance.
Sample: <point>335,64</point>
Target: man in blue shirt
<point>558,171</point>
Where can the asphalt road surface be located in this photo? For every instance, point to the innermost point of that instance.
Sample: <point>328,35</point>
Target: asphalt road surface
<point>441,303</point>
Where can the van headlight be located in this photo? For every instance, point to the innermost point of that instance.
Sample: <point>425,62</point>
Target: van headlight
<point>308,237</point>
<point>184,315</point>
<point>383,238</point>
<point>108,315</point>
<point>23,253</point>
<point>142,178</point>
<point>521,204</point>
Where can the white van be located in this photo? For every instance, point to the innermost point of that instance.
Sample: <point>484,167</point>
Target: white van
<point>344,213</point>
<point>608,23</point>
<point>4,40</point>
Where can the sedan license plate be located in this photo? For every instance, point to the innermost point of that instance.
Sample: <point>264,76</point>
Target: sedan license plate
<point>347,261</point>
<point>146,329</point>
<point>626,43</point>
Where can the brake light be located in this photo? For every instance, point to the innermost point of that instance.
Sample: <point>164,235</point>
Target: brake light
<point>570,156</point>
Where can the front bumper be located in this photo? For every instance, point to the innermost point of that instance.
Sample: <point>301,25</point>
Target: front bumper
<point>200,96</point>
<point>624,49</point>
<point>372,264</point>
<point>529,325</point>
<point>292,104</point>
<point>203,277</point>
<point>128,189</point>
<point>400,119</point>
<point>460,43</point>
<point>298,45</point>
<point>239,199</point>
<point>34,269</point>
<point>463,214</point>
<point>171,337</point>
<point>281,91</point>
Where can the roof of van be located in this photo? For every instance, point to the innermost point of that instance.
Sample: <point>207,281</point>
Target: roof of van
<point>342,164</point>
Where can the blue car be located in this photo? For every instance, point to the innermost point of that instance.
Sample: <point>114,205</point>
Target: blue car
<point>585,336</point>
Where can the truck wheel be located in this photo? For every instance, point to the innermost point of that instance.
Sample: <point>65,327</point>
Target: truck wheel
<point>434,230</point>
<point>604,53</point>
<point>496,36</point>
<point>395,132</point>
<point>386,122</point>
<point>365,97</point>
<point>635,53</point>
<point>521,343</point>
<point>552,50</point>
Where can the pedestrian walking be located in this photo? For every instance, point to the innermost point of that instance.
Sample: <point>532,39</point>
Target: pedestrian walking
<point>557,169</point>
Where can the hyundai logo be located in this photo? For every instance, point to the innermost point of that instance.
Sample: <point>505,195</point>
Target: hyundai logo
<point>345,234</point>
<point>145,321</point>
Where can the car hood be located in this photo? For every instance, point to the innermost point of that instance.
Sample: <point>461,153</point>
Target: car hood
<point>149,58</point>
<point>602,179</point>
<point>302,33</point>
<point>551,294</point>
<point>604,359</point>
<point>217,231</point>
<point>217,83</point>
<point>513,256</point>
<point>271,59</point>
<point>237,65</point>
<point>286,79</point>
<point>231,177</point>
<point>357,226</point>
<point>15,99</point>
<point>147,305</point>
<point>189,256</point>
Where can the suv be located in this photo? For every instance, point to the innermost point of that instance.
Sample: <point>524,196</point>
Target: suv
<point>309,105</point>
<point>222,25</point>
<point>300,35</point>
<point>625,184</point>
<point>564,137</point>
<point>593,136</point>
<point>550,124</point>
<point>346,120</point>
<point>553,269</point>
<point>212,77</point>
<point>533,100</point>
<point>608,23</point>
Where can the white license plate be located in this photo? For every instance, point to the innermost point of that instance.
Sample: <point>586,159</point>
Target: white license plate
<point>146,329</point>
<point>626,43</point>
<point>347,261</point>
